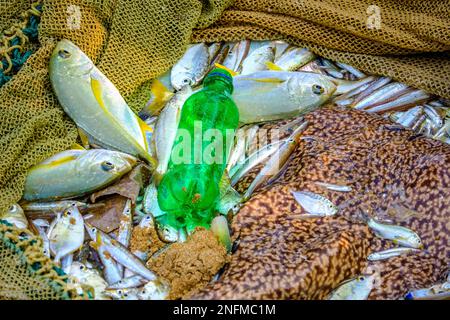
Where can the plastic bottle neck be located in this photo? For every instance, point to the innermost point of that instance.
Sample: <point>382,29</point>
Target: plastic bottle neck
<point>218,84</point>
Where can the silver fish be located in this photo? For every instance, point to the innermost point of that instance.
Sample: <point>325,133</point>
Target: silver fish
<point>125,227</point>
<point>358,288</point>
<point>258,59</point>
<point>66,234</point>
<point>399,235</point>
<point>121,254</point>
<point>436,292</point>
<point>345,86</point>
<point>433,115</point>
<point>410,117</point>
<point>66,263</point>
<point>238,52</point>
<point>94,103</point>
<point>122,294</point>
<point>243,143</point>
<point>191,68</point>
<point>240,170</point>
<point>351,69</point>
<point>294,58</point>
<point>381,95</point>
<point>275,95</point>
<point>154,290</point>
<point>55,206</point>
<point>229,202</point>
<point>334,187</point>
<point>43,235</point>
<point>75,173</point>
<point>91,278</point>
<point>276,162</point>
<point>408,99</point>
<point>130,282</point>
<point>150,203</point>
<point>389,253</point>
<point>315,205</point>
<point>375,85</point>
<point>166,128</point>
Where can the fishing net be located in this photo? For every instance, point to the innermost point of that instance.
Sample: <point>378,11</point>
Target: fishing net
<point>133,41</point>
<point>26,273</point>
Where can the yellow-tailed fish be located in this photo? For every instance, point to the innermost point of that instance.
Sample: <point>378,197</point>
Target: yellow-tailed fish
<point>389,253</point>
<point>94,103</point>
<point>357,288</point>
<point>121,254</point>
<point>160,95</point>
<point>397,234</point>
<point>314,204</point>
<point>89,277</point>
<point>66,234</point>
<point>191,68</point>
<point>15,216</point>
<point>74,173</point>
<point>274,95</point>
<point>257,59</point>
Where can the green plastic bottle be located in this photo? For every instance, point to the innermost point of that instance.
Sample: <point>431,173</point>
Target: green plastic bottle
<point>190,187</point>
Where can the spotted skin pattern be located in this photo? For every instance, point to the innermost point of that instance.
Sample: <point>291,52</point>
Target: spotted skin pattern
<point>280,256</point>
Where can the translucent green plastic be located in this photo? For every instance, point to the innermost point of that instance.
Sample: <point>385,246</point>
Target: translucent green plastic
<point>190,188</point>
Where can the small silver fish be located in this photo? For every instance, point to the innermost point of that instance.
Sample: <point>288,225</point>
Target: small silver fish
<point>129,282</point>
<point>238,52</point>
<point>66,234</point>
<point>389,253</point>
<point>403,101</point>
<point>276,161</point>
<point>358,288</point>
<point>191,68</point>
<point>231,201</point>
<point>154,290</point>
<point>122,294</point>
<point>294,58</point>
<point>351,69</point>
<point>408,118</point>
<point>150,203</point>
<point>315,205</point>
<point>258,59</point>
<point>111,270</point>
<point>125,227</point>
<point>399,235</point>
<point>91,278</point>
<point>381,95</point>
<point>334,187</point>
<point>45,241</point>
<point>121,254</point>
<point>436,292</point>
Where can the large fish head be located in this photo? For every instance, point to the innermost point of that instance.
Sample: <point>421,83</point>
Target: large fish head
<point>105,165</point>
<point>68,60</point>
<point>310,88</point>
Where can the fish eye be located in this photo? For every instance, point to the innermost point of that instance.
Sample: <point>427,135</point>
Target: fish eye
<point>107,166</point>
<point>361,278</point>
<point>93,229</point>
<point>64,54</point>
<point>186,81</point>
<point>316,89</point>
<point>12,208</point>
<point>68,213</point>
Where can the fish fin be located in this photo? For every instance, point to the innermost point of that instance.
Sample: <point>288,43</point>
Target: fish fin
<point>160,95</point>
<point>272,66</point>
<point>83,137</point>
<point>233,73</point>
<point>76,146</point>
<point>145,128</point>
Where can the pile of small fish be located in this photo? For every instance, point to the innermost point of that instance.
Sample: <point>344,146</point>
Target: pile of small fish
<point>273,81</point>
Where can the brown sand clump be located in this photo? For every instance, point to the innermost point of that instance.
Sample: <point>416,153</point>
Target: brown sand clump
<point>189,266</point>
<point>145,240</point>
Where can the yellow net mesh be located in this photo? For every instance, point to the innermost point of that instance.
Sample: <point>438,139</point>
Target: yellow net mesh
<point>133,41</point>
